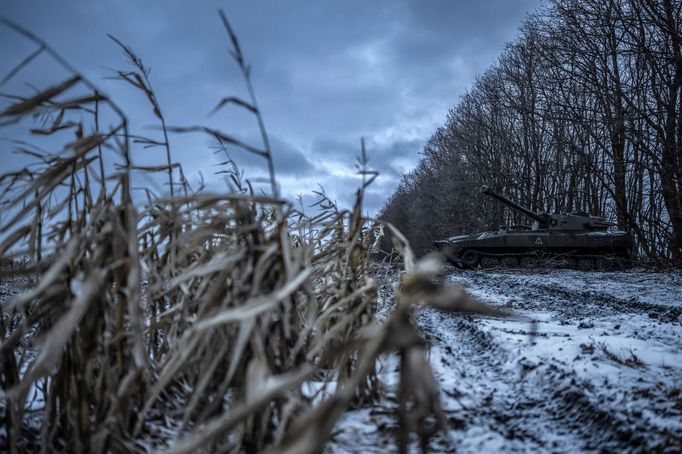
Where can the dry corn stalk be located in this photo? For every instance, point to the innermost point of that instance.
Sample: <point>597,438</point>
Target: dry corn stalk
<point>194,321</point>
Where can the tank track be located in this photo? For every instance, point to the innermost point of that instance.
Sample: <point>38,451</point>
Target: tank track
<point>534,260</point>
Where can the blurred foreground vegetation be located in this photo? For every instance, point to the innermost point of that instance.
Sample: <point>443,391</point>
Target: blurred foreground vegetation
<point>186,320</point>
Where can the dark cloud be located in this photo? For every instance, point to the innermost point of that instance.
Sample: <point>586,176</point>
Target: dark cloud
<point>287,159</point>
<point>326,73</point>
<point>391,158</point>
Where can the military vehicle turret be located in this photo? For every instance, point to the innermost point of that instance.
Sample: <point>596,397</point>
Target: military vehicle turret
<point>570,240</point>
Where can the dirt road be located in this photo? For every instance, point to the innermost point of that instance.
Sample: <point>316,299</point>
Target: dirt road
<point>602,371</point>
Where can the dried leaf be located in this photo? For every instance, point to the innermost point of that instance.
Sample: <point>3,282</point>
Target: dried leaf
<point>28,105</point>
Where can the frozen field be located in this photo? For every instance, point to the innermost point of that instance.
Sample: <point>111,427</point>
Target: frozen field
<point>593,362</point>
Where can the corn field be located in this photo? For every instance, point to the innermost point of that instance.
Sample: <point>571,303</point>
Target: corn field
<point>185,320</point>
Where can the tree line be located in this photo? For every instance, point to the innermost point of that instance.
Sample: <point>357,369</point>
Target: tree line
<point>582,112</point>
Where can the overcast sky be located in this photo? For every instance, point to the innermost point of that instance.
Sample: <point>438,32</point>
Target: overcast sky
<point>325,72</point>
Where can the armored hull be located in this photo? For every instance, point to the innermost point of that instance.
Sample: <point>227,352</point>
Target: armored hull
<point>571,240</point>
<point>527,249</point>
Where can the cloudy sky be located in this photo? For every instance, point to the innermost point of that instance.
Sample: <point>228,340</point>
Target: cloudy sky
<point>326,73</point>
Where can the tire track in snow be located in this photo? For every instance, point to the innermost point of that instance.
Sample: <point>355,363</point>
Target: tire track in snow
<point>498,399</point>
<point>497,406</point>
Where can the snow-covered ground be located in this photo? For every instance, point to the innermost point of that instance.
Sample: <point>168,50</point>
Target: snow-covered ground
<point>593,362</point>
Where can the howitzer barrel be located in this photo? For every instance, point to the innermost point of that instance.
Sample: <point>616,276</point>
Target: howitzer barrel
<point>540,217</point>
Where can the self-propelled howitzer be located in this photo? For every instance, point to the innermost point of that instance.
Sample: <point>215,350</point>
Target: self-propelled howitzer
<point>573,240</point>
